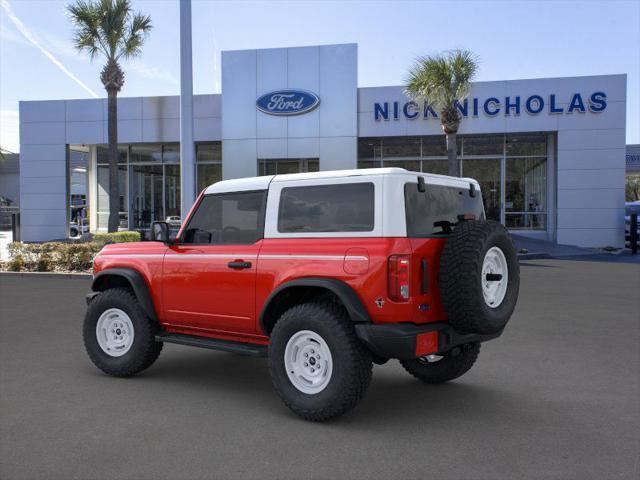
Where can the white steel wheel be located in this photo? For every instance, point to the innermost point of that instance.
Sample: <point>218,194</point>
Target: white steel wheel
<point>114,332</point>
<point>495,277</point>
<point>308,362</point>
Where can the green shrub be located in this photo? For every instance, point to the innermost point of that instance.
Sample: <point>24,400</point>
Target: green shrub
<point>44,263</point>
<point>116,237</point>
<point>78,256</point>
<point>16,263</point>
<point>52,256</point>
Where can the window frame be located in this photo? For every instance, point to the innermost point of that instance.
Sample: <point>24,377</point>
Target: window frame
<point>261,220</point>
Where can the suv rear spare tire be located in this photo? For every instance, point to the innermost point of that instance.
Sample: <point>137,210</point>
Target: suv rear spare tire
<point>479,277</point>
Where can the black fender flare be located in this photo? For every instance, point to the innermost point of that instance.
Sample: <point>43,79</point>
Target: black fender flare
<point>137,282</point>
<point>347,295</point>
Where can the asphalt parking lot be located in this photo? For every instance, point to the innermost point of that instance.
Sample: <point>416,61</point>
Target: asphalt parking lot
<point>556,397</point>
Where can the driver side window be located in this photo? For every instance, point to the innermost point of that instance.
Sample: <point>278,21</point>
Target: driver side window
<point>227,219</point>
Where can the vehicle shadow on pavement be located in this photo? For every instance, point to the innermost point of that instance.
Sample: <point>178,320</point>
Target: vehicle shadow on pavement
<point>393,397</point>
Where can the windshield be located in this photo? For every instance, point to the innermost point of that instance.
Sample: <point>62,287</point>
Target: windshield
<point>435,211</point>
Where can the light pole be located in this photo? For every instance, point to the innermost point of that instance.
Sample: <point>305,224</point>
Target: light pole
<point>187,146</point>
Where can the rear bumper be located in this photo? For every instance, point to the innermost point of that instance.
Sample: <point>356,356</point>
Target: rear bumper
<point>399,340</point>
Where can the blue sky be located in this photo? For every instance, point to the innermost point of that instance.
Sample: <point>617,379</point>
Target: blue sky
<point>513,40</point>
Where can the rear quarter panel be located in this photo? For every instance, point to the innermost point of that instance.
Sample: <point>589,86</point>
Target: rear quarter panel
<point>283,260</point>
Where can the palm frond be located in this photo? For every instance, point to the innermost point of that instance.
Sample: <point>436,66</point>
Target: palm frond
<point>139,29</point>
<point>442,80</point>
<point>108,27</point>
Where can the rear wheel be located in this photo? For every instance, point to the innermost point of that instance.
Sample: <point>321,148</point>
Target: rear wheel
<point>118,335</point>
<point>318,367</point>
<point>442,368</point>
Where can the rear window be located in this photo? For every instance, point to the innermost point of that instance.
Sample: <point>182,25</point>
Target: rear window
<point>436,210</point>
<point>347,207</point>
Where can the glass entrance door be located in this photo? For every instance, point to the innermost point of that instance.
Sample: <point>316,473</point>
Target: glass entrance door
<point>487,172</point>
<point>146,195</point>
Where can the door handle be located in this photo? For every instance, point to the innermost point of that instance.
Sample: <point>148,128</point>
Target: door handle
<point>239,264</point>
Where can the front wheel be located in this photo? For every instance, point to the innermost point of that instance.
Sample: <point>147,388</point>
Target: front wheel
<point>118,335</point>
<point>318,367</point>
<point>442,368</point>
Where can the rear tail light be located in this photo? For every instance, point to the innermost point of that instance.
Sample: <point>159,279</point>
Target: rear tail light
<point>399,266</point>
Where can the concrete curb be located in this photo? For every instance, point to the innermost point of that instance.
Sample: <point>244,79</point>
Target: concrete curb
<point>59,275</point>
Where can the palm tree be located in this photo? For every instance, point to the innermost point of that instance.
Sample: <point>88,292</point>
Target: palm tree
<point>443,81</point>
<point>110,28</point>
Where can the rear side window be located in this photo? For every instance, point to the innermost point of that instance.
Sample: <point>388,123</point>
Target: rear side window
<point>228,219</point>
<point>347,207</point>
<point>436,211</point>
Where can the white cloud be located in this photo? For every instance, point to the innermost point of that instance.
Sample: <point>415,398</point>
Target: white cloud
<point>9,125</point>
<point>26,33</point>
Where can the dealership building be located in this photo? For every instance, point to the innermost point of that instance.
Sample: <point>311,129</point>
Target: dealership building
<point>549,153</point>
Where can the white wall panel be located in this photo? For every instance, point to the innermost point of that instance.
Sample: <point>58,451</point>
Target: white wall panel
<point>271,74</point>
<point>591,159</point>
<point>129,108</point>
<point>207,129</point>
<point>271,148</point>
<point>592,179</point>
<point>160,107</point>
<point>88,133</point>
<point>161,130</point>
<point>303,73</point>
<point>207,106</point>
<point>239,158</point>
<point>30,153</point>
<point>42,133</point>
<point>89,110</point>
<point>129,131</point>
<point>339,90</point>
<point>239,99</point>
<point>303,147</point>
<point>588,139</point>
<point>43,111</point>
<point>338,153</point>
<point>610,198</point>
<point>594,218</point>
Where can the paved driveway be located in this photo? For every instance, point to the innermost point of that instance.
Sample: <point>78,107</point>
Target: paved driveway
<point>555,397</point>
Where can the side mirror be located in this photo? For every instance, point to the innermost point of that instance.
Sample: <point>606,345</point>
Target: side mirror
<point>160,232</point>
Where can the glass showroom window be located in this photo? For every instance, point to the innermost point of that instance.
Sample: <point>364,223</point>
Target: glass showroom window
<point>102,190</point>
<point>208,164</point>
<point>511,169</point>
<point>419,154</point>
<point>280,166</point>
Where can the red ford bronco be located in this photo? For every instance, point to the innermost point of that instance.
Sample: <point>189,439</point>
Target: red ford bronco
<point>324,273</point>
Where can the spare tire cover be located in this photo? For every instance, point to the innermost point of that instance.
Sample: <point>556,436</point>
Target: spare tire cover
<point>479,277</point>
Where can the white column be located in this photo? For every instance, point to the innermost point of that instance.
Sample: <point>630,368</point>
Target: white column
<point>187,147</point>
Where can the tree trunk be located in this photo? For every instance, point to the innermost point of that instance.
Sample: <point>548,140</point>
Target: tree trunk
<point>452,156</point>
<point>114,190</point>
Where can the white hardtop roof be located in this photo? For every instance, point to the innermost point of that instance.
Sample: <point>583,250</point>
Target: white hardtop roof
<point>262,183</point>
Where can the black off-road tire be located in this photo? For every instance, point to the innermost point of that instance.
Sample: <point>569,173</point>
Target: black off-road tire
<point>352,365</point>
<point>144,349</point>
<point>460,277</point>
<point>449,367</point>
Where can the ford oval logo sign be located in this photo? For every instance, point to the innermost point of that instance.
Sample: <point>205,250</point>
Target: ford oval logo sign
<point>287,102</point>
